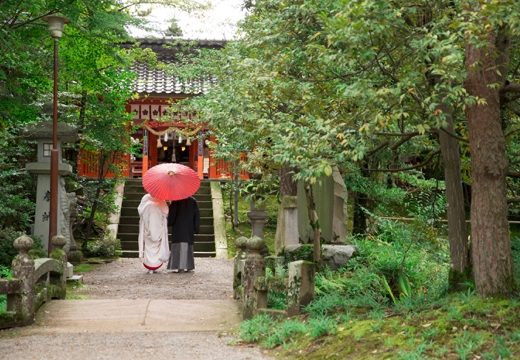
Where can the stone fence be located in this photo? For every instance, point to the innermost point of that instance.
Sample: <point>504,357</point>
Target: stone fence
<point>251,285</point>
<point>34,282</point>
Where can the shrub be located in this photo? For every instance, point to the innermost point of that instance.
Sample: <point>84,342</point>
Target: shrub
<point>106,247</point>
<point>8,252</point>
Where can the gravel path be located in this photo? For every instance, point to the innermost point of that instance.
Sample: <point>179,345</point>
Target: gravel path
<point>127,279</point>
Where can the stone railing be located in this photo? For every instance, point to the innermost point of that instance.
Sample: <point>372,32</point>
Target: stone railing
<point>34,282</point>
<point>251,285</point>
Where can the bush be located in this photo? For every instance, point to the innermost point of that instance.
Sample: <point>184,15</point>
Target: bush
<point>106,247</point>
<point>8,252</point>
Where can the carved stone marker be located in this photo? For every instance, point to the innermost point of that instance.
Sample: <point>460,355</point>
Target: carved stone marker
<point>254,266</point>
<point>300,290</point>
<point>287,225</point>
<point>239,265</point>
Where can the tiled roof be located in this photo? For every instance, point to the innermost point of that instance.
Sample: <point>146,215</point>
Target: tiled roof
<point>156,81</point>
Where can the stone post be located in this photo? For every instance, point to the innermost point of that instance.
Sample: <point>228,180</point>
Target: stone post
<point>257,219</point>
<point>300,290</point>
<point>59,241</point>
<point>23,269</point>
<point>287,225</point>
<point>42,132</point>
<point>254,267</point>
<point>74,255</point>
<point>239,264</point>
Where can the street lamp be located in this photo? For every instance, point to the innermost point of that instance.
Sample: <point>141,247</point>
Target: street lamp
<point>56,24</point>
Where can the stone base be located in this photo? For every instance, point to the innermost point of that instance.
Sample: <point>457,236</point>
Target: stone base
<point>75,257</point>
<point>76,278</point>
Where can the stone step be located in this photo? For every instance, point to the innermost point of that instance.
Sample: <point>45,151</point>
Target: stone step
<point>132,212</point>
<point>131,238</point>
<point>138,197</point>
<point>128,230</point>
<point>135,254</point>
<point>135,203</point>
<point>204,188</point>
<point>204,246</point>
<point>134,220</point>
<point>134,228</point>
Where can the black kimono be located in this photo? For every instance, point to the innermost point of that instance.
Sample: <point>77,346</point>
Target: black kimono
<point>184,218</point>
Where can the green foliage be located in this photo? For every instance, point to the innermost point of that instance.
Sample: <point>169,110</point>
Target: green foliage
<point>306,253</point>
<point>5,272</point>
<point>7,251</point>
<point>106,247</point>
<point>252,330</point>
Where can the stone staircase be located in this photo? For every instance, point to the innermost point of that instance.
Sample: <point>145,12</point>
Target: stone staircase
<point>128,230</point>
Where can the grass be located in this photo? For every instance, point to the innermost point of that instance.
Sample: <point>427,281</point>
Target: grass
<point>74,291</point>
<point>354,316</point>
<point>85,267</point>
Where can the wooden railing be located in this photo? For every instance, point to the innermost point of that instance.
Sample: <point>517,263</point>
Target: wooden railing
<point>34,282</point>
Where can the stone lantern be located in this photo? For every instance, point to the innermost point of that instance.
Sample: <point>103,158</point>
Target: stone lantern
<point>42,132</point>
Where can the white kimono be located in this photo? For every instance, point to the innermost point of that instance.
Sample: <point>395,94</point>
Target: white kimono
<point>153,232</point>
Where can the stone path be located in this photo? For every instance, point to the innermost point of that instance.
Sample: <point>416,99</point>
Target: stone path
<point>136,328</point>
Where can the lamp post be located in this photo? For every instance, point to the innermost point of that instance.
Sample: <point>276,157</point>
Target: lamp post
<point>56,24</point>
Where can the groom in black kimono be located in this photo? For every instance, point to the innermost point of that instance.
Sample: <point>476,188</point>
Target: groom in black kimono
<point>184,218</point>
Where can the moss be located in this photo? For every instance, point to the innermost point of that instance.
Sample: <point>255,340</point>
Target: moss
<point>10,319</point>
<point>85,267</point>
<point>305,252</point>
<point>460,281</point>
<point>57,254</point>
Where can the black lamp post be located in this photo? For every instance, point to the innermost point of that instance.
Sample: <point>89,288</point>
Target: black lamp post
<point>56,24</point>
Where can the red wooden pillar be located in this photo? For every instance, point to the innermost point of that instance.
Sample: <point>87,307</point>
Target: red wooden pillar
<point>200,158</point>
<point>153,149</point>
<point>146,144</point>
<point>212,162</point>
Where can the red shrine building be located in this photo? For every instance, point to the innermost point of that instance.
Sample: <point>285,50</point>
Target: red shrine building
<point>162,134</point>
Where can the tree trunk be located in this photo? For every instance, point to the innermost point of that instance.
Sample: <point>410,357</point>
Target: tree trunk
<point>288,187</point>
<point>91,219</point>
<point>359,217</point>
<point>491,251</point>
<point>234,208</point>
<point>458,236</point>
<point>313,217</point>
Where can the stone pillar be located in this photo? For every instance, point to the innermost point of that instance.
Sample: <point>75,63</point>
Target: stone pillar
<point>257,219</point>
<point>74,254</point>
<point>340,215</point>
<point>287,225</point>
<point>254,267</point>
<point>239,264</point>
<point>59,241</point>
<point>23,269</point>
<point>300,290</point>
<point>43,133</point>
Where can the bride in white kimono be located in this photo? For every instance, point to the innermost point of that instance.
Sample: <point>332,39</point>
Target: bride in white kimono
<point>153,232</point>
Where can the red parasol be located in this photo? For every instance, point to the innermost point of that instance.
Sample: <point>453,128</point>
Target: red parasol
<point>171,181</point>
